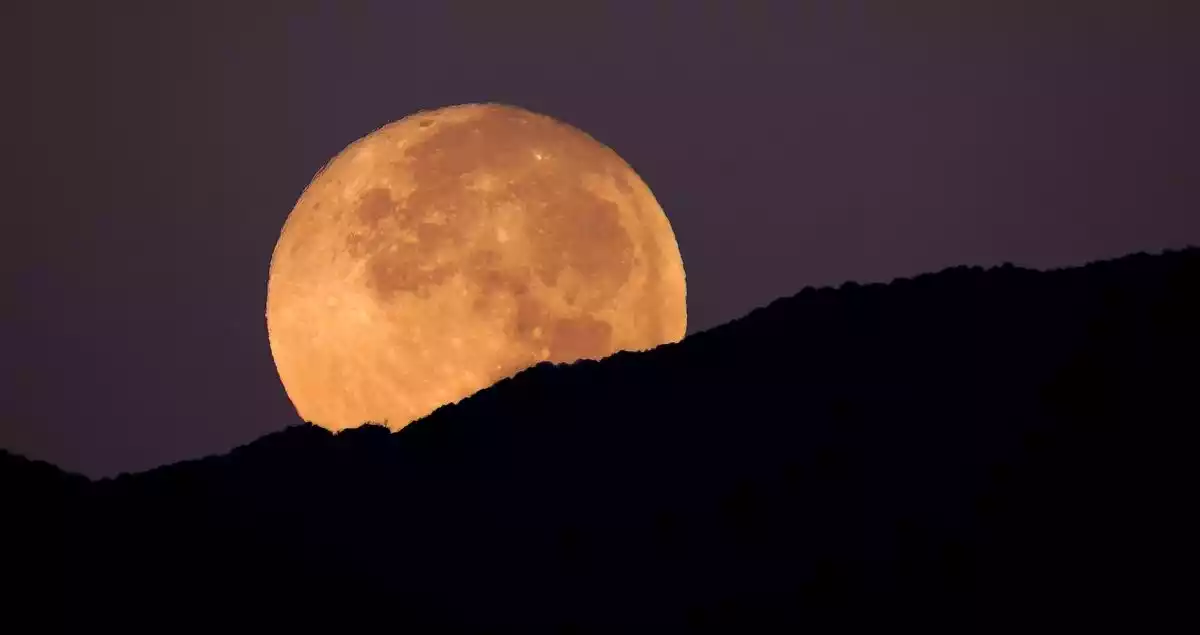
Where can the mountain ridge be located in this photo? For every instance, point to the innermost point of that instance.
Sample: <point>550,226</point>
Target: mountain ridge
<point>911,449</point>
<point>775,304</point>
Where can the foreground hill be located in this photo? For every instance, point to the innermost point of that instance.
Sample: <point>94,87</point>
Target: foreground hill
<point>977,449</point>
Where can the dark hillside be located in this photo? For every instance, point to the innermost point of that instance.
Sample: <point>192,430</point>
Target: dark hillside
<point>977,449</point>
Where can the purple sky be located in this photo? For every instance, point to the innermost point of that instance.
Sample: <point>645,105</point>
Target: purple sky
<point>156,148</point>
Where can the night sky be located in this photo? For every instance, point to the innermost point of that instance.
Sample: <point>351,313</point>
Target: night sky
<point>155,148</point>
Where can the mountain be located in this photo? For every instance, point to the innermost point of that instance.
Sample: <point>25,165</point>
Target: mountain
<point>973,449</point>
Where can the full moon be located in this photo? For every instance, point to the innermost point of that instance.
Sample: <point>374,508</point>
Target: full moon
<point>455,247</point>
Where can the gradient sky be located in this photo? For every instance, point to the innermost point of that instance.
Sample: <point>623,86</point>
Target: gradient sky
<point>155,148</point>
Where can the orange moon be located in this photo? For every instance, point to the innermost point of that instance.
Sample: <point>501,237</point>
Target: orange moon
<point>455,247</point>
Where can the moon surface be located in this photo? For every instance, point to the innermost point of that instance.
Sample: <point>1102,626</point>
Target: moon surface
<point>455,247</point>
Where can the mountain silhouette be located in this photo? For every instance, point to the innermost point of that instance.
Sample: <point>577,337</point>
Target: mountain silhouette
<point>979,450</point>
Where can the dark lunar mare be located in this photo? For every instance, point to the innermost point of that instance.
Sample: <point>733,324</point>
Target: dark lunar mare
<point>569,225</point>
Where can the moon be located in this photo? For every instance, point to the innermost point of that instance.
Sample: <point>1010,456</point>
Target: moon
<point>455,247</point>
